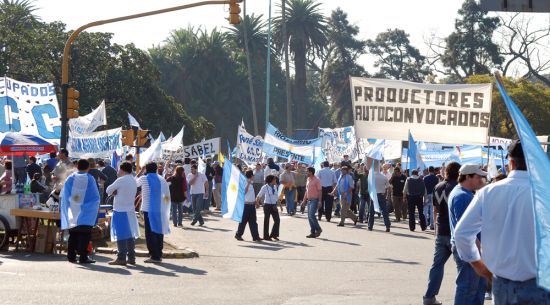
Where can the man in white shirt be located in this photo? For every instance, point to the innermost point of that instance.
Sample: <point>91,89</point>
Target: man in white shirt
<point>503,212</point>
<point>124,223</point>
<point>381,184</point>
<point>328,182</point>
<point>198,186</point>
<point>249,213</point>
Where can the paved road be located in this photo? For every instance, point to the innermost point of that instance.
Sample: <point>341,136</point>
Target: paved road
<point>345,266</point>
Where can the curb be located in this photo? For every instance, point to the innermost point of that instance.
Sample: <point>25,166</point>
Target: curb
<point>180,254</point>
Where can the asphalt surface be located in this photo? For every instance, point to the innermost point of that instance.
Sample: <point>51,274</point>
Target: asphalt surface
<point>346,265</point>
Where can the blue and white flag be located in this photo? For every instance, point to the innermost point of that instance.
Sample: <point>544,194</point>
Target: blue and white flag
<point>115,160</point>
<point>376,151</point>
<point>277,144</point>
<point>159,204</point>
<point>124,225</point>
<point>233,186</point>
<point>371,180</point>
<point>133,121</point>
<point>79,201</point>
<point>538,167</point>
<point>415,159</point>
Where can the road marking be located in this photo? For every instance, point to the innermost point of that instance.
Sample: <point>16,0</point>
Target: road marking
<point>11,273</point>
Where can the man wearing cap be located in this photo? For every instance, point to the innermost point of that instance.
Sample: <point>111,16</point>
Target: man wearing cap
<point>503,211</point>
<point>470,287</point>
<point>344,189</point>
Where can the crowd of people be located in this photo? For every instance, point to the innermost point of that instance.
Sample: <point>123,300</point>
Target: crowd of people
<point>457,201</point>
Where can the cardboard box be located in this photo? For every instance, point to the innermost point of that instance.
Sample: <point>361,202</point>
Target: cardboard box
<point>42,245</point>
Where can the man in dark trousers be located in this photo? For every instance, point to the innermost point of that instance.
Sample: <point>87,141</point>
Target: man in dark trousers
<point>111,174</point>
<point>414,192</point>
<point>33,168</point>
<point>328,183</point>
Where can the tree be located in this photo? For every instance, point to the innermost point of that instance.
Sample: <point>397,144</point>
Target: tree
<point>306,36</point>
<point>397,58</point>
<point>342,54</point>
<point>470,49</point>
<point>533,99</point>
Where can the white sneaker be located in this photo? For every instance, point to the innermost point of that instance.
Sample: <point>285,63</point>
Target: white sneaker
<point>488,296</point>
<point>152,261</point>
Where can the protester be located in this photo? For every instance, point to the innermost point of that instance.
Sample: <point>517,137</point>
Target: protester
<point>210,173</point>
<point>218,169</point>
<point>301,181</point>
<point>443,248</point>
<point>270,197</point>
<point>6,180</point>
<point>124,223</point>
<point>198,185</point>
<point>430,181</point>
<point>109,172</point>
<point>249,212</point>
<point>79,208</point>
<point>258,178</point>
<point>415,191</point>
<point>344,190</point>
<point>20,166</point>
<point>313,196</point>
<point>288,180</point>
<point>37,187</point>
<point>178,194</point>
<point>337,172</point>
<point>33,168</point>
<point>155,206</point>
<point>328,183</point>
<point>381,185</point>
<point>397,181</point>
<point>363,176</point>
<point>504,209</point>
<point>470,287</point>
<point>52,161</point>
<point>63,169</point>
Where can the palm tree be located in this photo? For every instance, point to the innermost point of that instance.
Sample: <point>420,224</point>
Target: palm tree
<point>306,36</point>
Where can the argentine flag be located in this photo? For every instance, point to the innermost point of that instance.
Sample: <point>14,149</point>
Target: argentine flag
<point>415,159</point>
<point>233,186</point>
<point>124,225</point>
<point>159,204</point>
<point>79,201</point>
<point>538,167</point>
<point>371,181</point>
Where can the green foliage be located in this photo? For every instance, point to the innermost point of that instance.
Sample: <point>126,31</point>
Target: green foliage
<point>470,49</point>
<point>397,58</point>
<point>533,99</point>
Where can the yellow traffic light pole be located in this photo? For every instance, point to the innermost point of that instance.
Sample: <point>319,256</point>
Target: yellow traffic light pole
<point>66,52</point>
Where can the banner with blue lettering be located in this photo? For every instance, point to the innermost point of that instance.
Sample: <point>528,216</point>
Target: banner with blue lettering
<point>30,109</point>
<point>277,144</point>
<point>249,148</point>
<point>338,142</point>
<point>99,144</point>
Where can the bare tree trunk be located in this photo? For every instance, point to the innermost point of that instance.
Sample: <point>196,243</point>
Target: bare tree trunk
<point>249,67</point>
<point>289,130</point>
<point>300,81</point>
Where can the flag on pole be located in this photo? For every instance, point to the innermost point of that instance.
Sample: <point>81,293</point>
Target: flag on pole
<point>415,159</point>
<point>133,121</point>
<point>233,186</point>
<point>503,168</point>
<point>372,185</point>
<point>538,167</point>
<point>376,151</point>
<point>221,159</point>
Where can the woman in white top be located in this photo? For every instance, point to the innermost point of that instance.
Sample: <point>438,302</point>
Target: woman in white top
<point>271,197</point>
<point>249,213</point>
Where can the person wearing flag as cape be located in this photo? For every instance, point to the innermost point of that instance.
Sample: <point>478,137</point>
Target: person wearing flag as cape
<point>155,206</point>
<point>79,208</point>
<point>124,223</point>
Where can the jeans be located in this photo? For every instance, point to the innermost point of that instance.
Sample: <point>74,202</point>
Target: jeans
<point>415,202</point>
<point>177,213</point>
<point>206,205</point>
<point>365,198</point>
<point>289,200</point>
<point>270,210</point>
<point>507,292</point>
<point>126,247</point>
<point>429,210</point>
<point>197,202</point>
<point>443,251</point>
<point>325,208</point>
<point>79,239</point>
<point>312,205</point>
<point>154,240</point>
<point>249,216</point>
<point>301,192</point>
<point>383,208</point>
<point>470,287</point>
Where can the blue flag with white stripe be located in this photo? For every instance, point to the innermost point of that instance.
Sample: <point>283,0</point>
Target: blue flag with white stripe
<point>159,204</point>
<point>233,187</point>
<point>371,181</point>
<point>79,201</point>
<point>415,160</point>
<point>538,167</point>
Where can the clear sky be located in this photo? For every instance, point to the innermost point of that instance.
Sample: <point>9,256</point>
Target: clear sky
<point>420,18</point>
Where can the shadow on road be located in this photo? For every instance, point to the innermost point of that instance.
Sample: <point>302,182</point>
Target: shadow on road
<point>410,235</point>
<point>173,270</point>
<point>339,242</point>
<point>398,261</point>
<point>379,261</point>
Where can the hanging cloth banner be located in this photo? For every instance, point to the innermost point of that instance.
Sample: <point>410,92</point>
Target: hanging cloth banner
<point>277,144</point>
<point>249,148</point>
<point>30,109</point>
<point>338,142</point>
<point>388,109</point>
<point>201,149</point>
<point>99,144</point>
<point>90,122</point>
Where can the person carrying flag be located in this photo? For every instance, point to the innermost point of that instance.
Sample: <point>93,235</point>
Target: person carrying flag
<point>155,206</point>
<point>79,208</point>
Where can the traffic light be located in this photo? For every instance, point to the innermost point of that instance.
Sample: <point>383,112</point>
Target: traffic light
<point>72,103</point>
<point>143,138</point>
<point>234,11</point>
<point>127,137</point>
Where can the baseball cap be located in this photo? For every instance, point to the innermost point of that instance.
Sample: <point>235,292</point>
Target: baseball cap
<point>470,169</point>
<point>515,150</point>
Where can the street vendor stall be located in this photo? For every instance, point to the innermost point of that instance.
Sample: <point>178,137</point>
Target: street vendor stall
<point>17,144</point>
